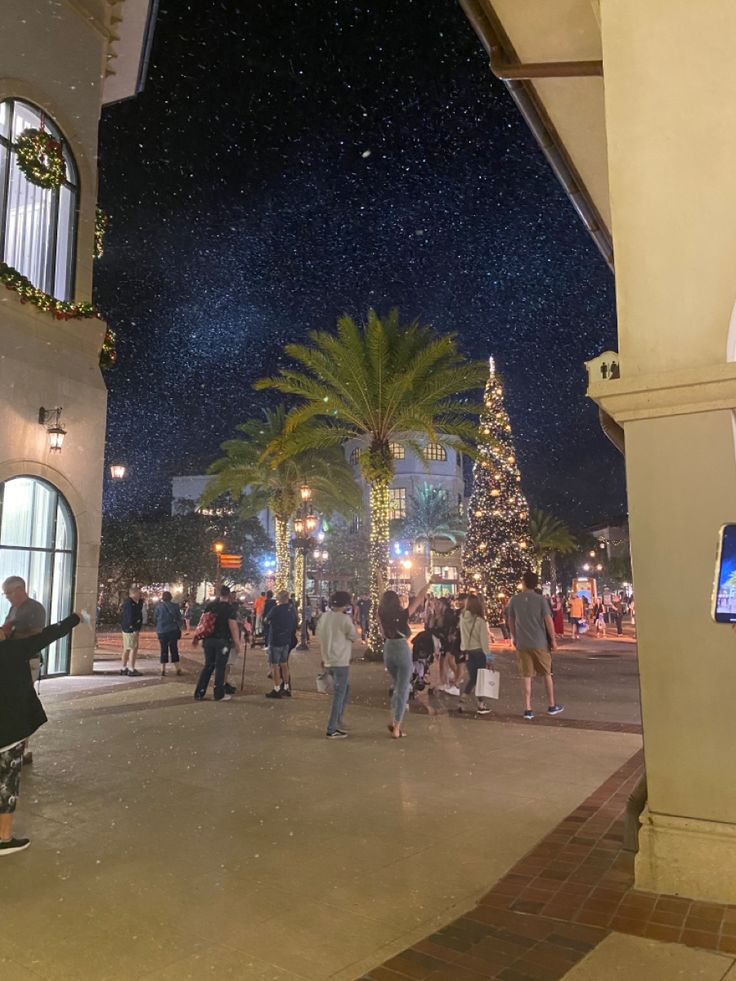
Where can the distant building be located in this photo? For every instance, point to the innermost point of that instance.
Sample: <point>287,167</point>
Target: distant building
<point>613,538</point>
<point>439,466</point>
<point>60,63</point>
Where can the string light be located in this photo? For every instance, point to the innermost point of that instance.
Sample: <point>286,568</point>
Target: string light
<point>281,546</point>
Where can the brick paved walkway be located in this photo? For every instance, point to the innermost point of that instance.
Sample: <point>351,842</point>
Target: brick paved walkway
<point>559,902</point>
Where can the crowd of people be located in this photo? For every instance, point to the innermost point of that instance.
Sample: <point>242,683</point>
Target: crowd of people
<point>454,632</point>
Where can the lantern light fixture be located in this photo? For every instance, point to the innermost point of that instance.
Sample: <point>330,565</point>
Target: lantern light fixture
<point>306,492</point>
<point>51,419</point>
<point>117,471</point>
<point>299,526</point>
<point>311,523</point>
<point>218,547</point>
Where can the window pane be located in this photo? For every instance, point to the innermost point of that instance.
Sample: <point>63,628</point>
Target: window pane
<point>12,563</point>
<point>38,226</point>
<point>397,451</point>
<point>57,655</point>
<point>64,527</point>
<point>15,527</point>
<point>4,118</point>
<point>64,245</point>
<point>28,227</point>
<point>396,503</point>
<point>24,117</point>
<point>44,514</point>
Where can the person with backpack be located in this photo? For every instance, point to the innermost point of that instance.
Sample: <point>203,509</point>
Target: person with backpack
<point>475,644</point>
<point>218,631</point>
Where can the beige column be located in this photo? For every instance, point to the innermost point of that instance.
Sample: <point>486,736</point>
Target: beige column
<point>670,95</point>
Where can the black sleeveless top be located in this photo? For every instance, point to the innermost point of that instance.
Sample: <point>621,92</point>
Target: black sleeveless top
<point>396,627</point>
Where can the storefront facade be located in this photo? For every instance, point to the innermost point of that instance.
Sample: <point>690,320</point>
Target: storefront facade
<point>51,484</point>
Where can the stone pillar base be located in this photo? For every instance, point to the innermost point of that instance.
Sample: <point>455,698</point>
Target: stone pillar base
<point>82,659</point>
<point>686,857</point>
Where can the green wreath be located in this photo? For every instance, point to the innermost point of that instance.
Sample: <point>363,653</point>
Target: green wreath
<point>40,158</point>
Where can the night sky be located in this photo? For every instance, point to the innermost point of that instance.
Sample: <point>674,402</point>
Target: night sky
<point>290,161</point>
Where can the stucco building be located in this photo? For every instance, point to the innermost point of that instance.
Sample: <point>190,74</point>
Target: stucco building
<point>631,102</point>
<point>60,63</point>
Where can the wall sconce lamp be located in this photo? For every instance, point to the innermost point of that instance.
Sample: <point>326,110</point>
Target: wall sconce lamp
<point>117,471</point>
<point>51,419</point>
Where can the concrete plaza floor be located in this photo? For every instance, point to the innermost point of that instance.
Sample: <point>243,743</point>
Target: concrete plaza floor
<point>174,839</point>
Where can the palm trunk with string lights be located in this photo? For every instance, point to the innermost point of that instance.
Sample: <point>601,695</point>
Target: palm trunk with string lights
<point>378,558</point>
<point>281,541</point>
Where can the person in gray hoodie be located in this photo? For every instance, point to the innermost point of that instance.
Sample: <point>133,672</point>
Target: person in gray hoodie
<point>168,629</point>
<point>336,634</point>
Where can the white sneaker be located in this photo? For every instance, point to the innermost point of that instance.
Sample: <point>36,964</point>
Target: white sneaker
<point>452,690</point>
<point>225,698</point>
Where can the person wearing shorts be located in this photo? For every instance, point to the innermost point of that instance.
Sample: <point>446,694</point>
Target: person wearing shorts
<point>280,623</point>
<point>131,621</point>
<point>533,633</point>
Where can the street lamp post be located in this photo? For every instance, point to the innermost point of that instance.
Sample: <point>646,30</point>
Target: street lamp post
<point>304,524</point>
<point>320,557</point>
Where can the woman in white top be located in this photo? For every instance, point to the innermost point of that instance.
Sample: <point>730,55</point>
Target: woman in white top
<point>475,643</point>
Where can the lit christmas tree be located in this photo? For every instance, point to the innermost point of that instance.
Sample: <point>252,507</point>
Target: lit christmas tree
<point>497,548</point>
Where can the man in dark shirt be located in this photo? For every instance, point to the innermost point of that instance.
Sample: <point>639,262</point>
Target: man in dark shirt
<point>281,624</point>
<point>218,645</point>
<point>131,621</point>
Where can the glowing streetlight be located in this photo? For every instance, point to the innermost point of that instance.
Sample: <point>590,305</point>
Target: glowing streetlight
<point>305,492</point>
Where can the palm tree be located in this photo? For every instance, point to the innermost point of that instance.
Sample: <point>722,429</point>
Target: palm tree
<point>550,537</point>
<point>380,383</point>
<point>430,518</point>
<point>256,483</point>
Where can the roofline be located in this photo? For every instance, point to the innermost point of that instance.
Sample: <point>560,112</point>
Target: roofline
<point>487,25</point>
<point>145,55</point>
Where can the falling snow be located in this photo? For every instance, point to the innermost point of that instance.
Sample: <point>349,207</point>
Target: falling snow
<point>287,162</point>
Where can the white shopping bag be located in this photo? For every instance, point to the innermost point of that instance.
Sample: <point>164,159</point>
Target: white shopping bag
<point>325,683</point>
<point>488,683</point>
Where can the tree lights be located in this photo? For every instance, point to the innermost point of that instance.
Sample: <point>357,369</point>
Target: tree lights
<point>497,548</point>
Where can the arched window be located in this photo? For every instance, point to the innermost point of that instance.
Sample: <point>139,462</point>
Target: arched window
<point>435,451</point>
<point>38,543</point>
<point>38,226</point>
<point>355,455</point>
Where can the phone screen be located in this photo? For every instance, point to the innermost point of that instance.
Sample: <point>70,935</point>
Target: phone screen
<point>724,594</point>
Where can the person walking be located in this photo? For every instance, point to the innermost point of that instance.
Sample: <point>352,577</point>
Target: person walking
<point>217,647</point>
<point>475,644</point>
<point>393,619</point>
<point>336,634</point>
<point>280,621</point>
<point>577,613</point>
<point>168,629</point>
<point>558,618</point>
<point>131,621</point>
<point>533,634</point>
<point>21,714</point>
<point>258,610</point>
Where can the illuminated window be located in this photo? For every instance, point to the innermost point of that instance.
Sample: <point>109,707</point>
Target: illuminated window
<point>355,455</point>
<point>434,451</point>
<point>37,225</point>
<point>396,503</point>
<point>38,543</point>
<point>397,451</point>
